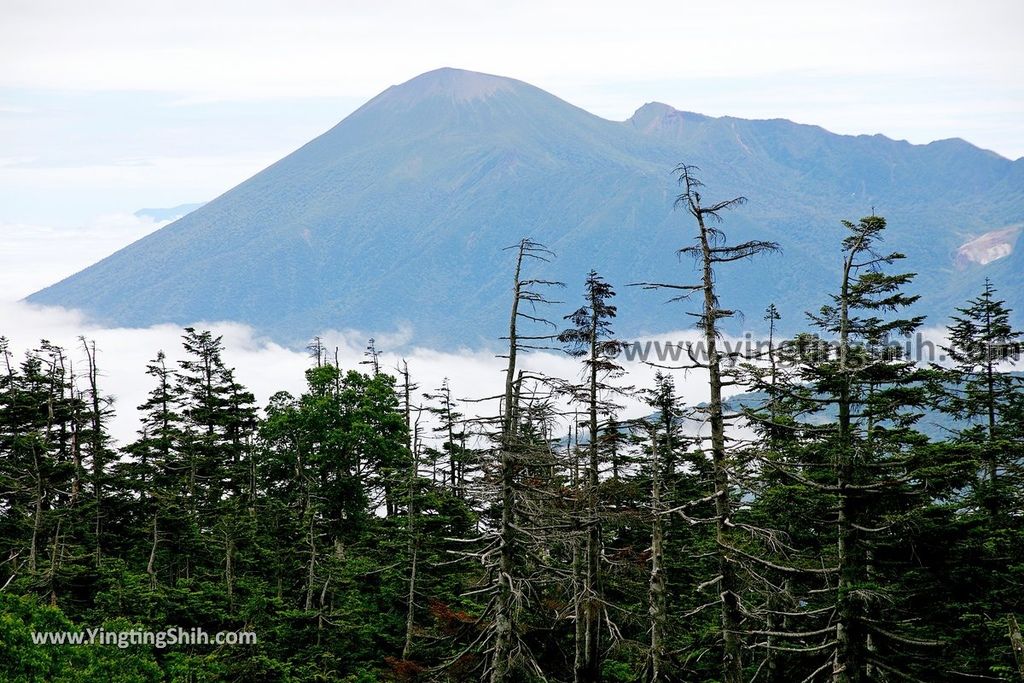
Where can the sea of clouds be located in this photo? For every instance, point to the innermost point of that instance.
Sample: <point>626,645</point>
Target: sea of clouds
<point>266,367</point>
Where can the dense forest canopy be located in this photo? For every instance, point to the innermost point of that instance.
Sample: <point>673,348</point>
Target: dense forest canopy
<point>373,529</point>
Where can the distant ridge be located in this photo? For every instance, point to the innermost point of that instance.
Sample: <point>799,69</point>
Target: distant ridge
<point>167,214</point>
<point>398,216</point>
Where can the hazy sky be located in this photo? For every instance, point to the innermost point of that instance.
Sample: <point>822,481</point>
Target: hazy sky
<point>112,106</point>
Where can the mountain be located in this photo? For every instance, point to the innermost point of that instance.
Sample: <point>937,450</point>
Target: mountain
<point>172,213</point>
<point>399,215</point>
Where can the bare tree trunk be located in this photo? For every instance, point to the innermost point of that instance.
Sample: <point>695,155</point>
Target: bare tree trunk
<point>711,248</point>
<point>992,459</point>
<point>229,569</point>
<point>1017,643</point>
<point>732,654</point>
<point>578,581</point>
<point>410,613</point>
<point>775,622</point>
<point>504,623</point>
<point>592,656</point>
<point>37,517</point>
<point>846,667</point>
<point>96,444</point>
<point>55,555</point>
<point>310,570</point>
<point>657,590</point>
<point>151,565</point>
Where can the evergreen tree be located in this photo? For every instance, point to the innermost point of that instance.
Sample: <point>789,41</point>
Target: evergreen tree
<point>156,468</point>
<point>981,344</point>
<point>591,338</point>
<point>453,446</point>
<point>869,460</point>
<point>364,537</point>
<point>665,440</point>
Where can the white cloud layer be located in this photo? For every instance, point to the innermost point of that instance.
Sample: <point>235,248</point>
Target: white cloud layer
<point>266,367</point>
<point>36,256</point>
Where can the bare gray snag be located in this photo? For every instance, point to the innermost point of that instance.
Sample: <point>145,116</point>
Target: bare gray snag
<point>657,588</point>
<point>96,438</point>
<point>522,534</point>
<point>710,251</point>
<point>413,446</point>
<point>1017,643</point>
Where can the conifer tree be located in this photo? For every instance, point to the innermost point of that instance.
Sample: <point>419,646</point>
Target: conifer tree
<point>982,344</point>
<point>159,465</point>
<point>453,446</point>
<point>218,419</point>
<point>868,463</point>
<point>591,338</point>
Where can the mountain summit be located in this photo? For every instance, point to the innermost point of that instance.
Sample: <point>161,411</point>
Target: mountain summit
<point>456,85</point>
<point>398,216</point>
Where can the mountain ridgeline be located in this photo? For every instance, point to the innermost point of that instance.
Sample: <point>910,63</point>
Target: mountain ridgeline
<point>398,216</point>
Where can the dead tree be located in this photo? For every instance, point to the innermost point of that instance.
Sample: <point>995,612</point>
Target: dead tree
<point>99,411</point>
<point>657,588</point>
<point>709,252</point>
<point>515,550</point>
<point>661,433</point>
<point>1017,643</point>
<point>412,443</point>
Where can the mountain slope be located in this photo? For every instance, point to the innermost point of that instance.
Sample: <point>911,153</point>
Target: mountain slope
<point>398,215</point>
<point>167,214</point>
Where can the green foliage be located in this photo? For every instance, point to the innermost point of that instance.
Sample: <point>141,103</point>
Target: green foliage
<point>23,661</point>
